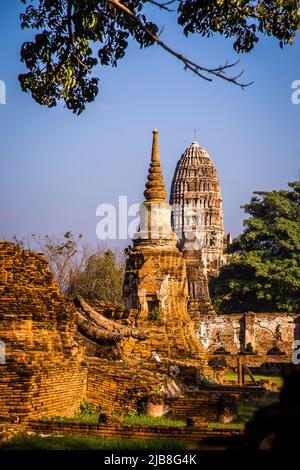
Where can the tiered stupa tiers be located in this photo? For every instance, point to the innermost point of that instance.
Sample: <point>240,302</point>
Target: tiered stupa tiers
<point>155,213</point>
<point>155,186</point>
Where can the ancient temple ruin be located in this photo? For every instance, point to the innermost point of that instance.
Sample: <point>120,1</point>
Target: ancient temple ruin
<point>198,215</point>
<point>155,279</point>
<point>60,352</point>
<point>198,221</point>
<point>56,353</point>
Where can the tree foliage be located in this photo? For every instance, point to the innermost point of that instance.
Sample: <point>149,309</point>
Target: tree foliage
<point>72,37</point>
<point>101,278</point>
<point>94,274</point>
<point>263,271</point>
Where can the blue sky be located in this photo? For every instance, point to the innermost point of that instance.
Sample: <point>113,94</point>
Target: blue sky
<point>56,168</point>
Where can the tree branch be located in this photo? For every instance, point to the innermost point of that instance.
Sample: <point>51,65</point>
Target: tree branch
<point>70,41</point>
<point>162,6</point>
<point>197,69</point>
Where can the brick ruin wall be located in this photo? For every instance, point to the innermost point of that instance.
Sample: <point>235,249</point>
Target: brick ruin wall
<point>123,388</point>
<point>119,387</point>
<point>264,338</point>
<point>46,372</point>
<point>130,431</point>
<point>41,370</point>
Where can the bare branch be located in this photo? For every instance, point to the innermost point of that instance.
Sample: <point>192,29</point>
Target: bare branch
<point>81,63</point>
<point>197,69</point>
<point>162,6</point>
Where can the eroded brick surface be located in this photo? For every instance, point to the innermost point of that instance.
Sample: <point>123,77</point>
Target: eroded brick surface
<point>42,374</point>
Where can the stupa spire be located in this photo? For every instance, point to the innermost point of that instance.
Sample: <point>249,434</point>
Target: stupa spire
<point>155,186</point>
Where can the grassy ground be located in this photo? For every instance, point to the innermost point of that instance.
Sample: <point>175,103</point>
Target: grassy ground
<point>246,410</point>
<point>92,418</point>
<point>148,421</point>
<point>88,443</point>
<point>223,426</point>
<point>145,421</point>
<point>271,378</point>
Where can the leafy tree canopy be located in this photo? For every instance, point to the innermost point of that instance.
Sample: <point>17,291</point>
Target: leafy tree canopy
<point>263,270</point>
<point>74,35</point>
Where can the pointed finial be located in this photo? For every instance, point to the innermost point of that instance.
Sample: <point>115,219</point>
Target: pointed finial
<point>155,186</point>
<point>155,149</point>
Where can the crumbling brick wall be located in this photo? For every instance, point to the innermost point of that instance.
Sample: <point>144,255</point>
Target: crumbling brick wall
<point>42,373</point>
<point>263,337</point>
<point>119,387</point>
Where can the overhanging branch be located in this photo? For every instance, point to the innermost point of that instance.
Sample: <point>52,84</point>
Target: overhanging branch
<point>197,69</point>
<point>162,6</point>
